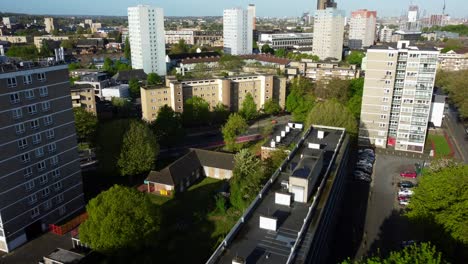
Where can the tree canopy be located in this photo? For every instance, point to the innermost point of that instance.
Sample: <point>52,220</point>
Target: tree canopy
<point>112,67</point>
<point>139,150</point>
<point>248,109</point>
<point>416,253</point>
<point>271,107</point>
<point>168,126</point>
<point>355,57</point>
<point>127,49</point>
<point>454,83</point>
<point>267,49</point>
<point>153,79</point>
<point>180,47</point>
<point>235,126</point>
<point>119,219</point>
<point>196,111</point>
<point>85,123</point>
<point>220,113</point>
<point>246,180</point>
<point>230,63</point>
<point>300,99</point>
<point>134,88</point>
<point>332,113</point>
<point>27,52</point>
<point>355,93</point>
<point>334,88</point>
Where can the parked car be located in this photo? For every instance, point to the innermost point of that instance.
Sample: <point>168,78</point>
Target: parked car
<point>367,150</point>
<point>406,184</point>
<point>409,174</point>
<point>404,202</point>
<point>362,178</point>
<point>358,172</point>
<point>405,192</point>
<point>365,169</point>
<point>364,163</point>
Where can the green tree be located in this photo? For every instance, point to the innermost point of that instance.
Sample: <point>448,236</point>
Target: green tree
<point>452,44</point>
<point>300,99</point>
<point>249,107</point>
<point>334,88</point>
<point>416,253</point>
<point>139,150</point>
<point>127,49</point>
<point>439,206</point>
<point>275,159</point>
<point>355,93</point>
<point>332,113</point>
<point>134,88</point>
<point>271,107</point>
<point>168,126</point>
<point>46,49</point>
<point>196,111</point>
<point>180,47</point>
<point>220,113</point>
<point>108,66</point>
<point>153,79</point>
<point>66,44</point>
<point>355,57</point>
<point>246,180</point>
<point>85,123</point>
<point>230,63</point>
<point>282,53</point>
<point>122,106</point>
<point>235,126</point>
<point>27,52</point>
<point>74,65</point>
<point>119,219</point>
<point>267,49</point>
<point>454,83</point>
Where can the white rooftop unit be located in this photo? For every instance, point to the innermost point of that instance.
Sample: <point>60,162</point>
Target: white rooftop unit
<point>320,134</point>
<point>287,129</point>
<point>283,133</point>
<point>314,146</point>
<point>273,144</point>
<point>278,139</point>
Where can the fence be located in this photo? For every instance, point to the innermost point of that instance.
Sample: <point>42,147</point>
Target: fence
<point>69,226</point>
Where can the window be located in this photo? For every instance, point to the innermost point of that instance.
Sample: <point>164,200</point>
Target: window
<point>29,94</point>
<point>389,63</point>
<point>34,124</point>
<point>22,143</point>
<point>381,133</point>
<point>39,152</point>
<point>384,108</point>
<point>43,179</point>
<point>391,54</point>
<point>36,138</point>
<point>25,157</point>
<point>19,128</point>
<point>386,91</point>
<point>11,82</point>
<point>35,212</point>
<point>27,172</point>
<point>52,147</point>
<point>47,120</point>
<point>48,205</point>
<point>43,92</point>
<point>385,99</point>
<point>58,186</point>
<point>14,98</point>
<point>55,173</point>
<point>50,134</point>
<point>32,109</point>
<point>17,113</point>
<point>32,198</point>
<point>54,160</point>
<point>387,82</point>
<point>381,124</point>
<point>45,192</point>
<point>27,79</point>
<point>60,198</point>
<point>62,210</point>
<point>29,185</point>
<point>41,76</point>
<point>41,165</point>
<point>45,106</point>
<point>383,116</point>
<point>388,73</point>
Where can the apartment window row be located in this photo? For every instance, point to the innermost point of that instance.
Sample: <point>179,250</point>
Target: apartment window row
<point>36,139</point>
<point>28,172</point>
<point>28,94</point>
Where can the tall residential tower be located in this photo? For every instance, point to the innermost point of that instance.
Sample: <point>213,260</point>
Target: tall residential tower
<point>147,40</point>
<point>238,31</point>
<point>362,28</point>
<point>397,96</point>
<point>328,33</point>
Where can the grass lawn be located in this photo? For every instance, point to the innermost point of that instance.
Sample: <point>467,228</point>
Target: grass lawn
<point>191,222</point>
<point>441,146</point>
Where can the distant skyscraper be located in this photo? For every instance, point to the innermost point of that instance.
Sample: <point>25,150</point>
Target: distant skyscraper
<point>362,28</point>
<point>147,41</point>
<point>328,33</point>
<point>324,4</point>
<point>412,23</point>
<point>49,24</point>
<point>251,9</point>
<point>238,31</point>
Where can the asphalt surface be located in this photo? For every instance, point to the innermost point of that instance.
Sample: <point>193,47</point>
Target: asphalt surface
<point>457,132</point>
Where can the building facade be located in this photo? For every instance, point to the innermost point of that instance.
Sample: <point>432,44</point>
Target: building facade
<point>237,31</point>
<point>38,40</point>
<point>362,28</point>
<point>229,91</point>
<point>397,96</point>
<point>208,38</point>
<point>40,171</point>
<point>319,71</point>
<point>16,39</point>
<point>174,36</point>
<point>146,34</point>
<point>49,24</point>
<point>385,34</point>
<point>454,60</point>
<point>82,95</point>
<point>286,40</point>
<point>328,33</point>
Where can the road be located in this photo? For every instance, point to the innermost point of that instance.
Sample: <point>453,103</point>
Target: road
<point>456,130</point>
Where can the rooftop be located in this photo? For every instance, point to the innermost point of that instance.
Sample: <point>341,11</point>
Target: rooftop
<point>13,65</point>
<point>65,256</point>
<point>253,243</point>
<point>393,46</point>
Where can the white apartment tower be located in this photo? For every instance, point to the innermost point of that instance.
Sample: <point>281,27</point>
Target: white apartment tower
<point>362,28</point>
<point>238,31</point>
<point>328,33</point>
<point>49,24</point>
<point>397,96</point>
<point>147,41</point>
<point>385,34</point>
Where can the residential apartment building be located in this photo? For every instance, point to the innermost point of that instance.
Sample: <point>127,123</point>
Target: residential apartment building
<point>238,31</point>
<point>362,28</point>
<point>251,9</point>
<point>83,96</point>
<point>454,60</point>
<point>49,24</point>
<point>16,39</point>
<point>397,96</point>
<point>40,172</point>
<point>385,34</point>
<point>328,33</point>
<point>208,38</point>
<point>287,40</point>
<point>318,71</point>
<point>324,4</point>
<point>38,40</point>
<point>229,91</point>
<point>146,33</point>
<point>174,36</point>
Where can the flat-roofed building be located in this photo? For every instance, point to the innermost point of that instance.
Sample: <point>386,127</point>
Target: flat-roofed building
<point>16,39</point>
<point>174,36</point>
<point>287,40</point>
<point>38,40</point>
<point>454,60</point>
<point>83,96</point>
<point>328,33</point>
<point>229,91</point>
<point>40,171</point>
<point>397,96</point>
<point>362,28</point>
<point>318,71</point>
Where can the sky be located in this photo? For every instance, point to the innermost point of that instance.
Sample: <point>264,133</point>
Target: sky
<point>270,8</point>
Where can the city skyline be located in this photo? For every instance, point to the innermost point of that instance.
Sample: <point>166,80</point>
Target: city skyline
<point>455,8</point>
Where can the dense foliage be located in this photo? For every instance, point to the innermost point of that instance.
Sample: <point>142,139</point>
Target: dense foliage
<point>235,126</point>
<point>300,99</point>
<point>332,113</point>
<point>355,57</point>
<point>168,126</point>
<point>248,108</point>
<point>153,79</point>
<point>271,107</point>
<point>454,83</point>
<point>27,52</point>
<point>246,180</point>
<point>85,123</point>
<point>196,111</point>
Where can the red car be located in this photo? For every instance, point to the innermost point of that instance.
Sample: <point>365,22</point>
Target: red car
<point>408,174</point>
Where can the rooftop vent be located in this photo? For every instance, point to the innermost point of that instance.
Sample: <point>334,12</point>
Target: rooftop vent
<point>314,146</point>
<point>287,129</point>
<point>273,144</point>
<point>320,134</point>
<point>278,139</point>
<point>283,133</point>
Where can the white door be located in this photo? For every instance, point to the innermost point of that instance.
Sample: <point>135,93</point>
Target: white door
<point>298,193</point>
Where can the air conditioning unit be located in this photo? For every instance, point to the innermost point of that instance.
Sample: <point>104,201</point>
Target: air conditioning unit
<point>320,134</point>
